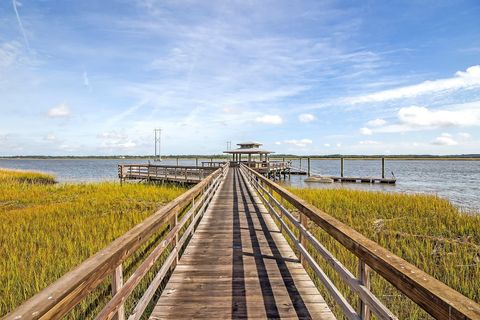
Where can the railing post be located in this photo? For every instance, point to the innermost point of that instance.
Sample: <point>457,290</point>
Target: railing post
<point>193,215</point>
<point>117,284</point>
<point>341,166</point>
<point>302,239</point>
<point>173,223</point>
<point>364,279</point>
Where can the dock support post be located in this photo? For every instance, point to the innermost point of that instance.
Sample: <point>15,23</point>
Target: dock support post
<point>300,163</point>
<point>177,161</point>
<point>341,166</point>
<point>364,279</point>
<point>308,165</point>
<point>383,167</point>
<point>196,162</point>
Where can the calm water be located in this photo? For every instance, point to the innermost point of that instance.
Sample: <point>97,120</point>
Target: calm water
<point>458,181</point>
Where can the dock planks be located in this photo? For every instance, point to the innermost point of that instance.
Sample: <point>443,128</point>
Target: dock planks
<point>239,265</point>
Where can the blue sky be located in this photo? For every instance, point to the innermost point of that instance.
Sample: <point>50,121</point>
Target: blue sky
<point>304,77</point>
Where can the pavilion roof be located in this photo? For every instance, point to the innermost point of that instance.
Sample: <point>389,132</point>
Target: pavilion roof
<point>248,151</point>
<point>249,143</point>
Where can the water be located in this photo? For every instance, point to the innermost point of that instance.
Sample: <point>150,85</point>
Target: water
<point>457,181</point>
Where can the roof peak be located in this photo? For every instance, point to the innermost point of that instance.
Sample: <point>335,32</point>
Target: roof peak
<point>249,142</point>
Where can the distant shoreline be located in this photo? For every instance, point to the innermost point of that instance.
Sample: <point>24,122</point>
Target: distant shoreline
<point>276,157</point>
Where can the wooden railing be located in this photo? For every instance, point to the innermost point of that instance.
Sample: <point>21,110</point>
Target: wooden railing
<point>213,164</point>
<point>266,165</point>
<point>164,172</point>
<point>182,216</point>
<point>433,296</point>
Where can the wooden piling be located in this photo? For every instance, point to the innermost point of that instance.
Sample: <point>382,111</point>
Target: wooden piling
<point>383,167</point>
<point>308,166</point>
<point>341,167</point>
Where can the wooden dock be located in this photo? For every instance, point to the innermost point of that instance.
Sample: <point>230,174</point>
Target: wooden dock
<point>166,173</point>
<point>223,254</point>
<point>238,265</point>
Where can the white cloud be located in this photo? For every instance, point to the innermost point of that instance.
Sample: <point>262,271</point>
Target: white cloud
<point>338,145</point>
<point>50,137</point>
<point>114,140</point>
<point>327,145</point>
<point>369,142</point>
<point>306,117</point>
<point>461,80</point>
<point>423,117</point>
<point>299,143</point>
<point>269,119</point>
<point>10,53</point>
<point>86,80</point>
<point>465,135</point>
<point>415,118</point>
<point>376,123</point>
<point>445,140</point>
<point>60,111</point>
<point>366,131</point>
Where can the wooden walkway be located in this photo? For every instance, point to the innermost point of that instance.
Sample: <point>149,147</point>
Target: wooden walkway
<point>238,265</point>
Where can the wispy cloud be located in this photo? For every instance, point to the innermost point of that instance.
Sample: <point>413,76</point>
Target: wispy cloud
<point>306,117</point>
<point>302,143</point>
<point>269,119</point>
<point>376,122</point>
<point>60,111</point>
<point>461,80</point>
<point>366,131</point>
<point>86,80</point>
<point>16,3</point>
<point>445,139</point>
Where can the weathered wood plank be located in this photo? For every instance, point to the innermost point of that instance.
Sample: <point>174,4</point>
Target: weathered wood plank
<point>239,265</point>
<point>433,296</point>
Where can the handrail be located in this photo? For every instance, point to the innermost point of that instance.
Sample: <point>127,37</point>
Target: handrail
<point>167,166</point>
<point>430,294</point>
<point>164,172</point>
<point>60,297</point>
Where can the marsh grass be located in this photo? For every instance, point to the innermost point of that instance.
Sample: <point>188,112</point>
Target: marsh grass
<point>425,230</point>
<point>20,176</point>
<point>47,229</point>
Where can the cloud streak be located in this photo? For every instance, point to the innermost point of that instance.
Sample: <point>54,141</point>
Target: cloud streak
<point>461,80</point>
<point>20,24</point>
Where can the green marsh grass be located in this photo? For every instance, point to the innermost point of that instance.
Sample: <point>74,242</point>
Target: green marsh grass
<point>47,229</point>
<point>425,230</point>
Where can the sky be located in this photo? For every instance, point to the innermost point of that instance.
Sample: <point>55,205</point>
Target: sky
<point>303,77</point>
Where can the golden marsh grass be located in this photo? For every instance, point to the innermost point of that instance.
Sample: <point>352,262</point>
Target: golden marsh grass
<point>425,230</point>
<point>47,229</point>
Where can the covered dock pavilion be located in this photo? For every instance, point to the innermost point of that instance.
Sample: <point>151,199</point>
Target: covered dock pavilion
<point>248,149</point>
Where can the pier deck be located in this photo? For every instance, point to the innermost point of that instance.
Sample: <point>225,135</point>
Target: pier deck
<point>239,265</point>
<point>222,256</point>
